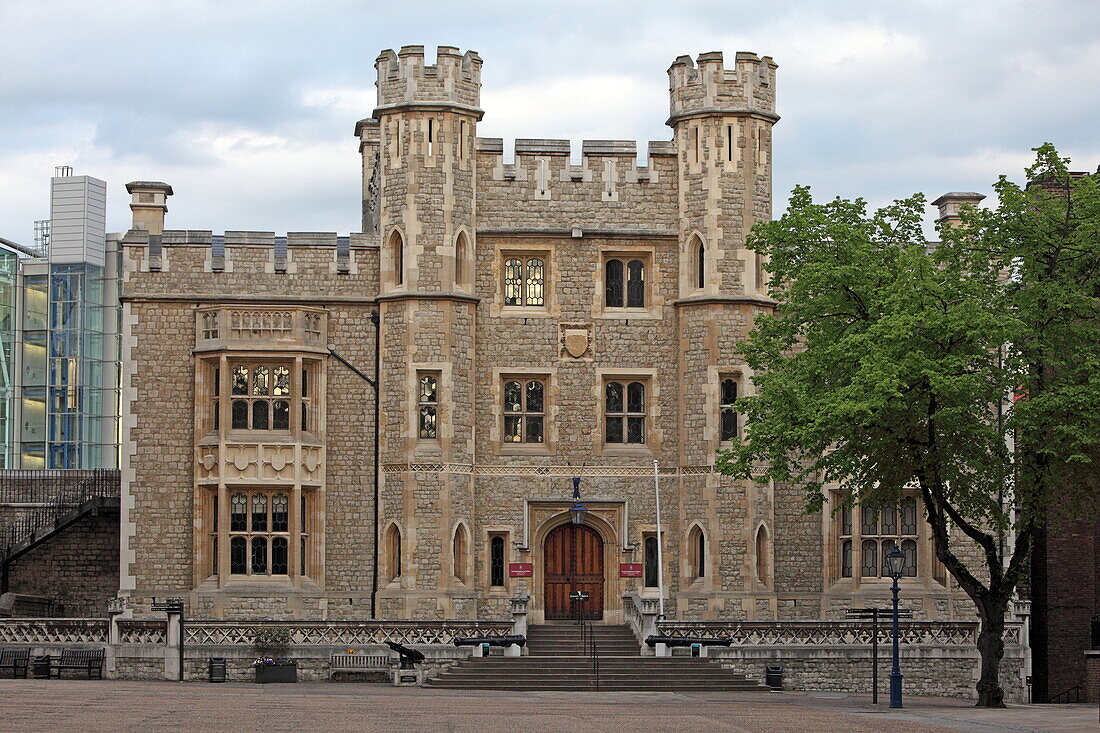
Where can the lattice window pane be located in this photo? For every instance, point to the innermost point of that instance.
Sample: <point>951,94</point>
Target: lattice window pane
<point>513,281</point>
<point>240,380</point>
<point>729,391</point>
<point>650,558</point>
<point>635,430</point>
<point>428,386</point>
<point>534,429</point>
<point>512,429</point>
<point>635,286</point>
<point>496,561</point>
<point>869,525</point>
<point>613,283</point>
<point>259,512</point>
<point>260,381</point>
<point>846,559</point>
<point>259,556</point>
<point>280,513</point>
<point>887,548</point>
<point>869,567</point>
<point>535,282</point>
<point>909,549</point>
<point>889,520</point>
<point>260,415</point>
<point>238,513</point>
<point>614,397</point>
<point>428,423</point>
<point>909,515</point>
<point>282,382</point>
<point>513,397</point>
<point>238,556</point>
<point>534,396</point>
<point>846,520</point>
<point>280,419</point>
<point>279,553</point>
<point>729,425</point>
<point>635,397</point>
<point>614,430</point>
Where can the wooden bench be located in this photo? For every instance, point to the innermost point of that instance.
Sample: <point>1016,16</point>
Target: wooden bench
<point>80,660</point>
<point>360,667</point>
<point>17,660</point>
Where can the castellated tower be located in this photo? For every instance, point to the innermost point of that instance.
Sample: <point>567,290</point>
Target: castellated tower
<point>419,199</point>
<point>722,120</point>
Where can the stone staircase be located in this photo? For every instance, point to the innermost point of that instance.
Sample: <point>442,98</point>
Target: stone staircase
<point>557,661</point>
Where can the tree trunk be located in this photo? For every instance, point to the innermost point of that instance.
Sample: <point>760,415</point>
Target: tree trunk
<point>991,646</point>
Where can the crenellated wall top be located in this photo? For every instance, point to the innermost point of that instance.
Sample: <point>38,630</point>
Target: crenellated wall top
<point>404,79</point>
<point>708,87</point>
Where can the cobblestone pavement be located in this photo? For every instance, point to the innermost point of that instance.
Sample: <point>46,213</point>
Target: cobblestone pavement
<point>35,705</point>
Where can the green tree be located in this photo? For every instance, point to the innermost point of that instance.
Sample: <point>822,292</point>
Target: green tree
<point>970,369</point>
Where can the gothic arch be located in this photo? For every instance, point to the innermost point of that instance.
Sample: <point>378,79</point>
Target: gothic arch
<point>395,253</point>
<point>394,544</point>
<point>697,248</point>
<point>464,260</point>
<point>697,552</point>
<point>460,552</point>
<point>763,555</point>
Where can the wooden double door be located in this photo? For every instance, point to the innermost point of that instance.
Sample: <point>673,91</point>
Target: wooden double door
<point>573,561</point>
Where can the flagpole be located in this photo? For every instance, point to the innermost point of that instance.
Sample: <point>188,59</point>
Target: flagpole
<point>660,544</point>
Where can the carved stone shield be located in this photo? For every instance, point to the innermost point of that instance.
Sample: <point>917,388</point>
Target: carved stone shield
<point>576,342</point>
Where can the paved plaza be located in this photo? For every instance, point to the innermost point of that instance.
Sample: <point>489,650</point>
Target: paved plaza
<point>39,705</point>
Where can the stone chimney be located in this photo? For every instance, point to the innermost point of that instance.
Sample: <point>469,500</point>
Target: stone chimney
<point>149,203</point>
<point>950,204</point>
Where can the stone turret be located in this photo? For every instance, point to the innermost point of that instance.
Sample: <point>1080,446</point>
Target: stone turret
<point>711,88</point>
<point>454,80</point>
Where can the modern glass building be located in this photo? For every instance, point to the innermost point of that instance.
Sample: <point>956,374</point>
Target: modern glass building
<point>63,348</point>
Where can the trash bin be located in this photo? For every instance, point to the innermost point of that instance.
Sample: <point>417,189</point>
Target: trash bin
<point>41,668</point>
<point>773,676</point>
<point>216,669</point>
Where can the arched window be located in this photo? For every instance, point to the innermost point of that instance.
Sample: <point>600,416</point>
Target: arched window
<point>727,406</point>
<point>700,263</point>
<point>459,553</point>
<point>762,554</point>
<point>462,266</point>
<point>649,556</point>
<point>397,256</point>
<point>496,560</point>
<point>393,553</point>
<point>697,552</point>
<point>624,283</point>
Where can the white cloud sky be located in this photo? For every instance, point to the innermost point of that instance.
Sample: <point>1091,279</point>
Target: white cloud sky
<point>247,108</point>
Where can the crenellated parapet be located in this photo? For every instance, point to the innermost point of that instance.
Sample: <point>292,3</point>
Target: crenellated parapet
<point>708,87</point>
<point>404,79</point>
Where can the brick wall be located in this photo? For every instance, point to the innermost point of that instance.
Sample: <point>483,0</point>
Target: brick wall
<point>78,567</point>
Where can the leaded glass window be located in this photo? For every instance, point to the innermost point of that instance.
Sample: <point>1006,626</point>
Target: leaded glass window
<point>524,410</point>
<point>496,560</point>
<point>429,406</point>
<point>649,556</point>
<point>525,281</point>
<point>877,532</point>
<point>624,283</point>
<point>259,532</point>
<point>624,412</point>
<point>727,407</point>
<point>253,387</point>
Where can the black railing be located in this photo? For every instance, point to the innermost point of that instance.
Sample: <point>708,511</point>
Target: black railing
<point>1073,694</point>
<point>46,496</point>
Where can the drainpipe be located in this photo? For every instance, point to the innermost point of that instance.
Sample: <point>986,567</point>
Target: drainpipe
<point>375,319</point>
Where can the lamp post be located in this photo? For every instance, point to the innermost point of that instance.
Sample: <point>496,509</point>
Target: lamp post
<point>577,511</point>
<point>894,562</point>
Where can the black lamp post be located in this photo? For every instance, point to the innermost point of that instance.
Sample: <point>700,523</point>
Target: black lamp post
<point>577,511</point>
<point>894,562</point>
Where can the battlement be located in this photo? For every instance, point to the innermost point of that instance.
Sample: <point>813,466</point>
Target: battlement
<point>403,78</point>
<point>596,157</point>
<point>707,87</point>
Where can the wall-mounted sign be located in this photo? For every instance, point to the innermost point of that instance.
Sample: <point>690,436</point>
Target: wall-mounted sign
<point>520,570</point>
<point>630,570</point>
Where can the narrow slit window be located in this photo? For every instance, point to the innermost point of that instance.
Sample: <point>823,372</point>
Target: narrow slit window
<point>728,408</point>
<point>429,406</point>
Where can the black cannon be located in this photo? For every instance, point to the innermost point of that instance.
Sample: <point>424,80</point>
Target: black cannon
<point>509,640</point>
<point>409,657</point>
<point>685,641</point>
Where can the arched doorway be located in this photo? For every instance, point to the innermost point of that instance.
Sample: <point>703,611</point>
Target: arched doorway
<point>573,557</point>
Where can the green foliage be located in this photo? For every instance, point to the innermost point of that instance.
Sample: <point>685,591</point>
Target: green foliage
<point>270,640</point>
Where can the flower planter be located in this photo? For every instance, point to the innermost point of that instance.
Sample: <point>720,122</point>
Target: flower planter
<point>268,673</point>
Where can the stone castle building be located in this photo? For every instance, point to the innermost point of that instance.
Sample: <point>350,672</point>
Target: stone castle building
<point>531,325</point>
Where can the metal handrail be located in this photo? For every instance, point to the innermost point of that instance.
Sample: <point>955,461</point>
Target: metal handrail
<point>52,502</point>
<point>1075,691</point>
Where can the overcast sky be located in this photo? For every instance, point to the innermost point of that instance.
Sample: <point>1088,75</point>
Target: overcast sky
<point>247,108</point>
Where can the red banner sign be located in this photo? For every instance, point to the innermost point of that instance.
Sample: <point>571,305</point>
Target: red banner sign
<point>630,570</point>
<point>520,570</point>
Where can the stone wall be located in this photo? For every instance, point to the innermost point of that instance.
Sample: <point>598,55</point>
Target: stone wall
<point>77,568</point>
